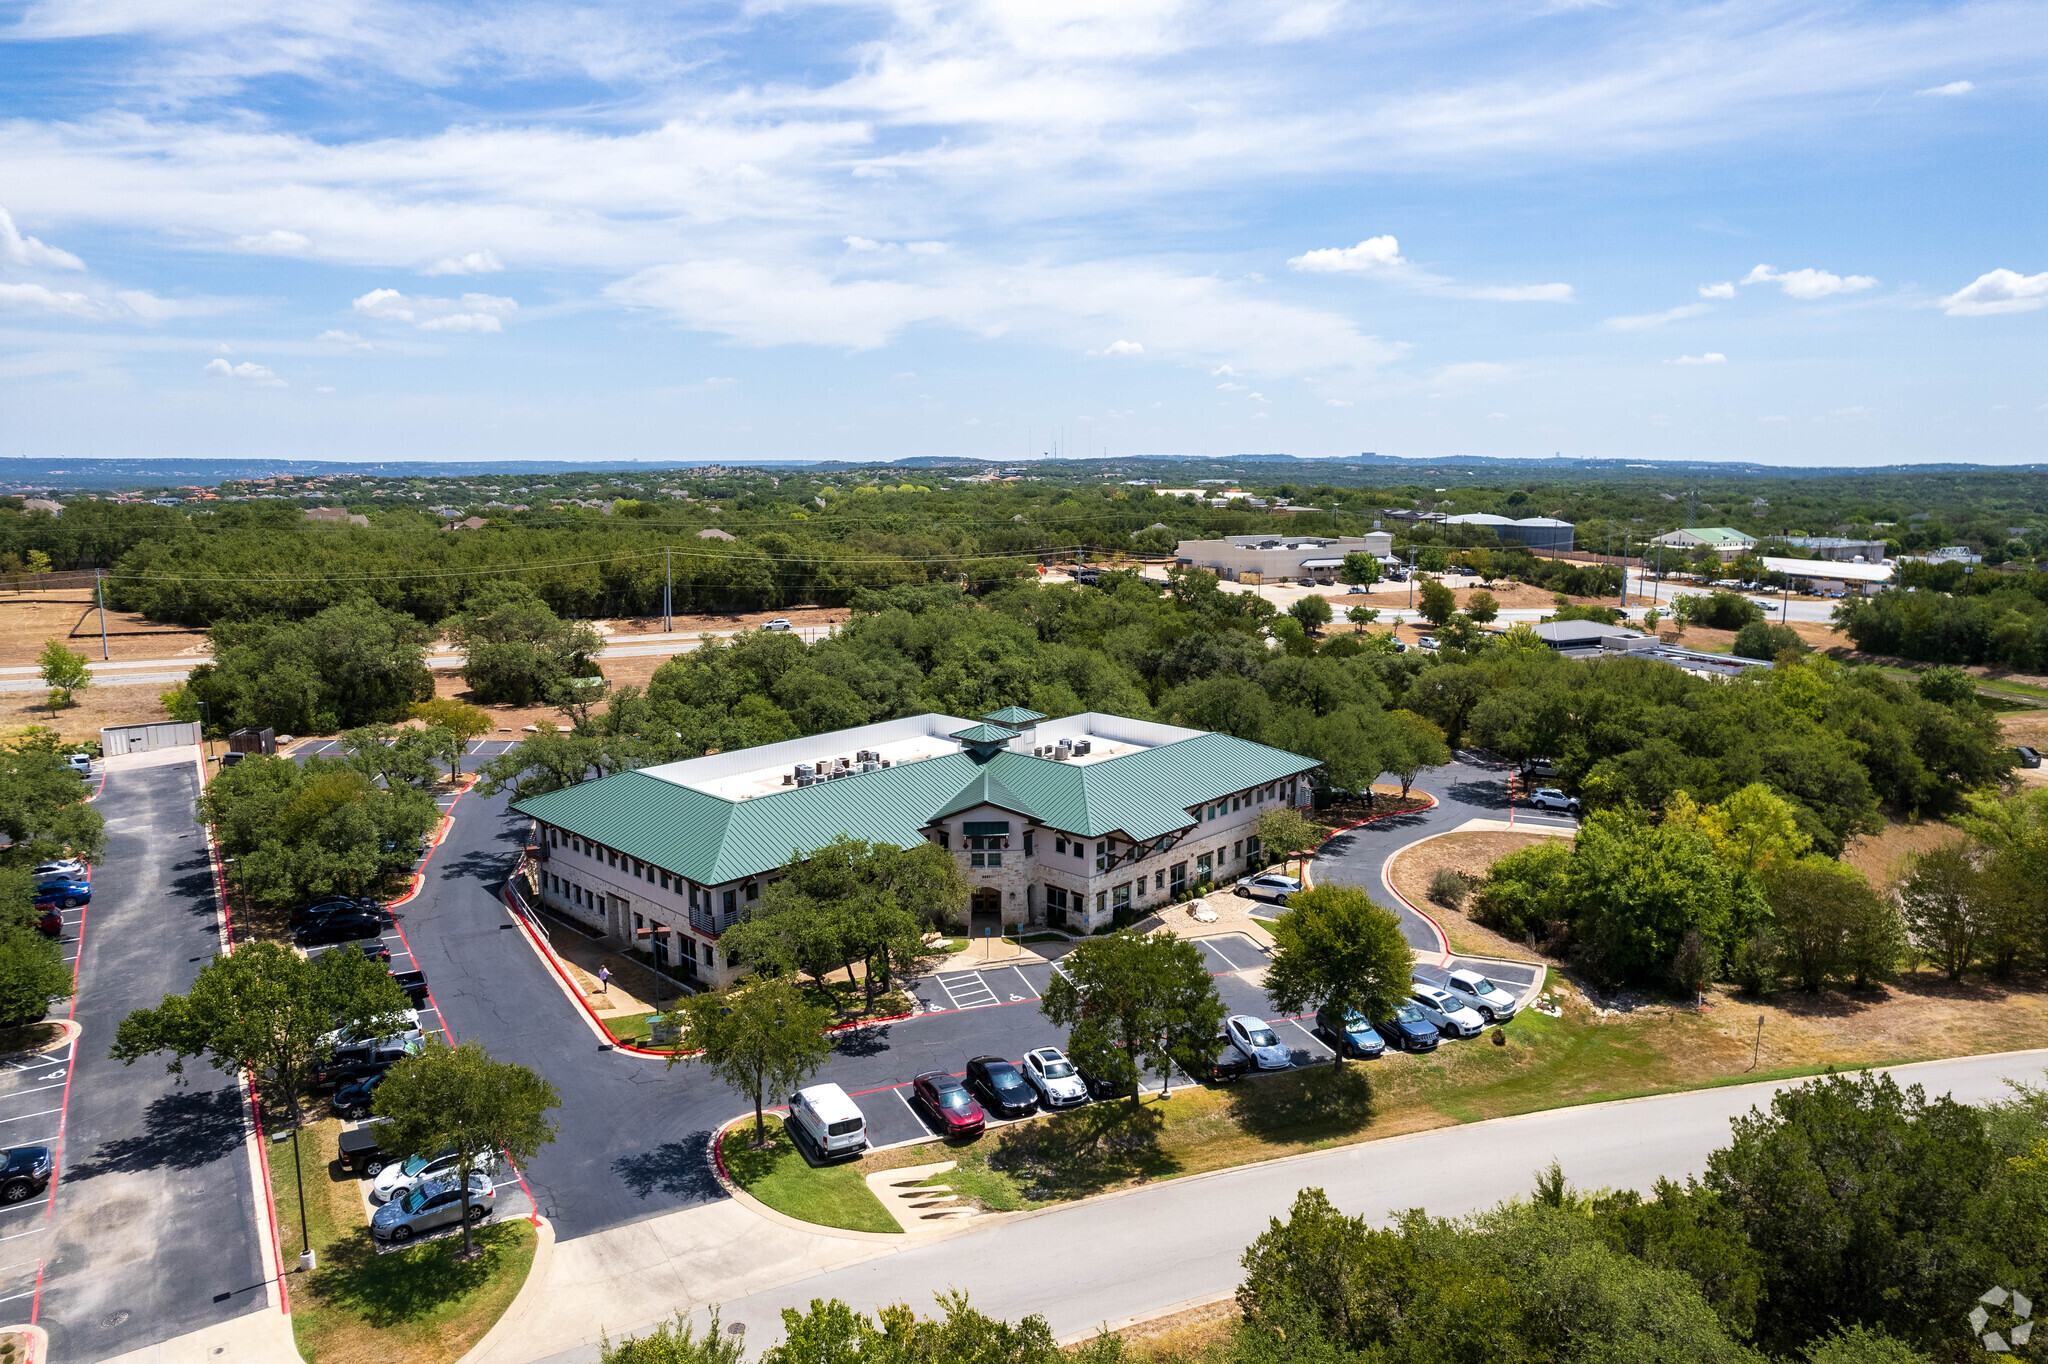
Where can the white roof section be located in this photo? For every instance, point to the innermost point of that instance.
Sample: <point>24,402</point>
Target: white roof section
<point>1829,568</point>
<point>748,772</point>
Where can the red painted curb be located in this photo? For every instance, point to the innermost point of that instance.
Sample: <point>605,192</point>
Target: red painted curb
<point>547,954</point>
<point>1441,936</point>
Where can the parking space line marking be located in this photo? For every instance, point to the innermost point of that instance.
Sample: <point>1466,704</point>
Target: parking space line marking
<point>898,1092</point>
<point>32,1231</point>
<point>1221,953</point>
<point>24,1117</point>
<point>1027,983</point>
<point>25,1293</point>
<point>37,1090</point>
<point>1310,1035</point>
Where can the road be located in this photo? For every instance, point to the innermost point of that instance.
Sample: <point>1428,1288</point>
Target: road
<point>152,1230</point>
<point>1178,1241</point>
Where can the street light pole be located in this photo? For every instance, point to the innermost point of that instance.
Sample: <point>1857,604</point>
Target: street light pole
<point>305,1237</point>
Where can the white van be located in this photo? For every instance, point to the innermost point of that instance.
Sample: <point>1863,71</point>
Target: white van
<point>831,1124</point>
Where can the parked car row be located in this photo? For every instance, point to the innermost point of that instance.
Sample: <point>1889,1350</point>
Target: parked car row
<point>1461,1005</point>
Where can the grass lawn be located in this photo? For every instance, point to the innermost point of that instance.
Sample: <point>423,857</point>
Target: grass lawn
<point>633,1028</point>
<point>360,1307</point>
<point>1546,1063</point>
<point>830,1195</point>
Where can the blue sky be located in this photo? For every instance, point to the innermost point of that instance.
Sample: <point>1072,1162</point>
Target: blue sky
<point>1800,233</point>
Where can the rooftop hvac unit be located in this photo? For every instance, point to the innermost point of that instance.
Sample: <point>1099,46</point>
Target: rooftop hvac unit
<point>1083,747</point>
<point>871,765</point>
<point>887,763</point>
<point>836,774</point>
<point>805,770</point>
<point>1062,753</point>
<point>789,779</point>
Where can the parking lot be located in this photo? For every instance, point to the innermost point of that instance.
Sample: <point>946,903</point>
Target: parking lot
<point>33,1091</point>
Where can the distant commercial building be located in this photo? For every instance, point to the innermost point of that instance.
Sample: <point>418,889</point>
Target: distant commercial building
<point>1828,576</point>
<point>335,516</point>
<point>1591,639</point>
<point>1841,548</point>
<point>1537,532</point>
<point>43,504</point>
<point>1723,540</point>
<point>1274,558</point>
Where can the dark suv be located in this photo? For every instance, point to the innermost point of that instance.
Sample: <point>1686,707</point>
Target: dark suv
<point>352,906</point>
<point>1407,1030</point>
<point>336,928</point>
<point>1225,1064</point>
<point>26,1174</point>
<point>360,1060</point>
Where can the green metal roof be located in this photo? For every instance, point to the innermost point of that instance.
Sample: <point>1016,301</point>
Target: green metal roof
<point>1719,535</point>
<point>711,840</point>
<point>1014,715</point>
<point>984,734</point>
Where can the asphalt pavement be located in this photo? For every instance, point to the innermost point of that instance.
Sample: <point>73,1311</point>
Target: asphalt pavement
<point>151,1232</point>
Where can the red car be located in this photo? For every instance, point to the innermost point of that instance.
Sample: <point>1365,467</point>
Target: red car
<point>949,1104</point>
<point>51,925</point>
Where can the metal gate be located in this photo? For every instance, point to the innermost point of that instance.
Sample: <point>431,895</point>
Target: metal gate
<point>122,739</point>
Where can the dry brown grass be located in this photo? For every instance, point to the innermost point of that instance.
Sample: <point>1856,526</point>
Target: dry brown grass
<point>29,619</point>
<point>1183,1335</point>
<point>1472,854</point>
<point>1878,856</point>
<point>90,711</point>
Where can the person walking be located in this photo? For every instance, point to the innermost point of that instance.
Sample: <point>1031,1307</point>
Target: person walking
<point>604,980</point>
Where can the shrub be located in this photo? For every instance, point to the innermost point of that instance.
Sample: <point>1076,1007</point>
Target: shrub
<point>1760,639</point>
<point>1449,887</point>
<point>1518,895</point>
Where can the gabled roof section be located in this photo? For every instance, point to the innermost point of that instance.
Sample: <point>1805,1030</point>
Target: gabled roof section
<point>1014,715</point>
<point>984,734</point>
<point>985,789</point>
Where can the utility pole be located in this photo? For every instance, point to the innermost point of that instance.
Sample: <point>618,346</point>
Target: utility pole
<point>1411,577</point>
<point>99,591</point>
<point>306,1260</point>
<point>668,588</point>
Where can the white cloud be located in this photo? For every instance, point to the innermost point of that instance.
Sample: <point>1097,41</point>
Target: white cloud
<point>862,244</point>
<point>248,372</point>
<point>1256,398</point>
<point>1373,256</point>
<point>276,242</point>
<point>1337,402</point>
<point>1951,89</point>
<point>1998,291</point>
<point>1470,373</point>
<point>468,263</point>
<point>1121,348</point>
<point>346,340</point>
<point>1228,386</point>
<point>324,388</point>
<point>1725,289</point>
<point>1380,257</point>
<point>1712,357</point>
<point>121,305</point>
<point>16,249</point>
<point>1644,321</point>
<point>470,313</point>
<point>1809,284</point>
<point>1260,416</point>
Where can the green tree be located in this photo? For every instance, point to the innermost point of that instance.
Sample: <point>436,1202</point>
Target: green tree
<point>1634,889</point>
<point>1942,894</point>
<point>1362,615</point>
<point>550,760</point>
<point>1335,949</point>
<point>1482,606</point>
<point>63,672</point>
<point>1519,896</point>
<point>267,1010</point>
<point>1286,833</point>
<point>1828,921</point>
<point>516,650</point>
<point>1134,1003</point>
<point>1437,602</point>
<point>832,1333</point>
<point>459,1099</point>
<point>32,969</point>
<point>758,1036</point>
<point>314,828</point>
<point>43,810</point>
<point>1761,639</point>
<point>1359,569</point>
<point>1413,745</point>
<point>1312,613</point>
<point>180,704</point>
<point>352,664</point>
<point>466,722</point>
<point>1870,1204</point>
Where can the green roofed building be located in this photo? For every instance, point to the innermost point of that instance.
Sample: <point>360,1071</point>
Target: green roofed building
<point>1725,541</point>
<point>1077,823</point>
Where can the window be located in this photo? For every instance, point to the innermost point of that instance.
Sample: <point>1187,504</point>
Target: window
<point>637,866</point>
<point>975,859</point>
<point>664,880</point>
<point>1159,880</point>
<point>638,923</point>
<point>1237,850</point>
<point>1251,845</point>
<point>1233,805</point>
<point>1079,849</point>
<point>1059,845</point>
<point>709,958</point>
<point>1180,878</point>
<point>1055,898</point>
<point>1121,897</point>
<point>942,838</point>
<point>614,852</point>
<point>753,890</point>
<point>1027,842</point>
<point>730,903</point>
<point>1205,866</point>
<point>995,859</point>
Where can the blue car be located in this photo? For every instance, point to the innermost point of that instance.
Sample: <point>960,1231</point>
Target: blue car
<point>1349,1033</point>
<point>63,892</point>
<point>1407,1030</point>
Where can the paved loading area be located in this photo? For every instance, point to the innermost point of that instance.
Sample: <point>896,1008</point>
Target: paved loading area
<point>151,1231</point>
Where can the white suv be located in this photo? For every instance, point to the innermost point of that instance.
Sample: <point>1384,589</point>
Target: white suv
<point>1550,798</point>
<point>1445,1010</point>
<point>1494,1004</point>
<point>1054,1077</point>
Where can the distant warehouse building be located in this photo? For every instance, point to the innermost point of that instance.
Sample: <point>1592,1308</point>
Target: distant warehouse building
<point>1827,577</point>
<point>1276,558</point>
<point>1725,541</point>
<point>1537,532</point>
<point>1839,548</point>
